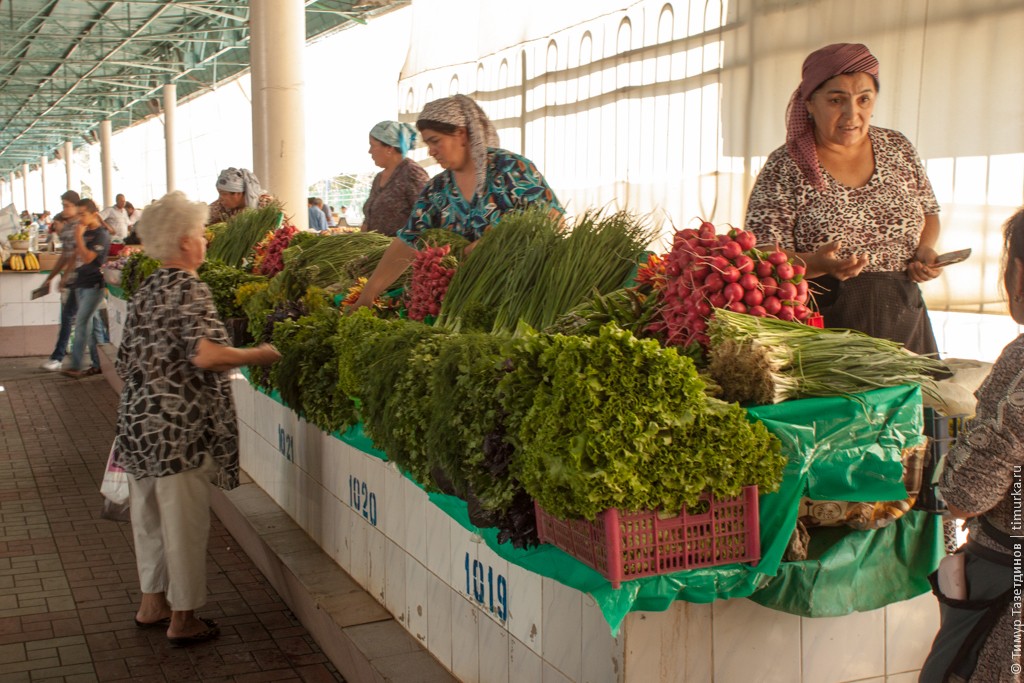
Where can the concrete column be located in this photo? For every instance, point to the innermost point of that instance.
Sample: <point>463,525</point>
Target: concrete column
<point>24,185</point>
<point>42,177</point>
<point>283,91</point>
<point>257,81</point>
<point>108,164</point>
<point>170,108</point>
<point>69,162</point>
<point>10,183</point>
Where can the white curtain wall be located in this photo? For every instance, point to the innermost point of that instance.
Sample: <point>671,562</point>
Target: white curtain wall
<point>671,107</point>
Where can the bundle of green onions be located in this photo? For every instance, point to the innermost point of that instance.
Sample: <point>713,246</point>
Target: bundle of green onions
<point>242,233</point>
<point>339,259</point>
<point>532,269</point>
<point>764,360</point>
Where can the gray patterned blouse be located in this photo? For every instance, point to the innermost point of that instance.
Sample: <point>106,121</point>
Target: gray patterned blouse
<point>173,413</point>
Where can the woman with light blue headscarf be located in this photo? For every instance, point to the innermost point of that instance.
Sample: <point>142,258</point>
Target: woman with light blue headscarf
<point>396,188</point>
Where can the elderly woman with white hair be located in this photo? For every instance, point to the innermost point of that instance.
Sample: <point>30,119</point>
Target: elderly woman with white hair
<point>176,429</point>
<point>238,189</point>
<point>480,183</point>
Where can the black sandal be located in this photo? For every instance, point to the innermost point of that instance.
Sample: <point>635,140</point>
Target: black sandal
<point>162,623</point>
<point>211,632</point>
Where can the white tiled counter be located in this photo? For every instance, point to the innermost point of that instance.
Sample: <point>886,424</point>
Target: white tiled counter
<point>27,327</point>
<point>489,620</point>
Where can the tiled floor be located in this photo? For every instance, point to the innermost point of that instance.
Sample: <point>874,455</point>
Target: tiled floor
<point>68,587</point>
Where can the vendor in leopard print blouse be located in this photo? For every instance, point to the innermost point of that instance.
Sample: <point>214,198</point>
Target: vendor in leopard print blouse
<point>851,200</point>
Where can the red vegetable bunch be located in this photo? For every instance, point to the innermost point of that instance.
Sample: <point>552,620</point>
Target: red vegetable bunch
<point>268,259</point>
<point>432,271</point>
<point>706,270</point>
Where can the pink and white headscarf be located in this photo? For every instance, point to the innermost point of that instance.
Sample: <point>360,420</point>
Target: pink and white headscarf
<point>821,65</point>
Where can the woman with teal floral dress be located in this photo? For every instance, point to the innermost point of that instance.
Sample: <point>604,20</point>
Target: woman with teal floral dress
<point>481,182</point>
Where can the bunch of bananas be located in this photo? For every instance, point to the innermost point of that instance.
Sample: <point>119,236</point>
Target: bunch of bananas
<point>28,261</point>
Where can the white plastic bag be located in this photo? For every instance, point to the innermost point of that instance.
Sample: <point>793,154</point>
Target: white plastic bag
<point>115,482</point>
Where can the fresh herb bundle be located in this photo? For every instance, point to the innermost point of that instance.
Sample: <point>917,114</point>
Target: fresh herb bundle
<point>616,422</point>
<point>325,260</point>
<point>763,360</point>
<point>136,269</point>
<point>243,232</point>
<point>530,269</point>
<point>224,282</point>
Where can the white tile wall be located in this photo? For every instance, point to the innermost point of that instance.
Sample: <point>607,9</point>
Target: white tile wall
<point>394,583</point>
<point>465,639</point>
<point>603,656</point>
<point>773,655</point>
<point>440,560</point>
<point>343,537</point>
<point>393,513</point>
<point>523,663</point>
<point>439,619</point>
<point>845,648</point>
<point>12,314</point>
<point>376,559</point>
<point>416,595</point>
<point>525,600</point>
<point>561,637</point>
<point>35,314</point>
<point>416,503</point>
<point>910,627</point>
<point>494,651</point>
<point>359,562</point>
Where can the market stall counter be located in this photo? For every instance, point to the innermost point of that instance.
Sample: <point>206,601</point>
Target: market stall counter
<point>490,612</point>
<point>856,609</point>
<point>28,327</point>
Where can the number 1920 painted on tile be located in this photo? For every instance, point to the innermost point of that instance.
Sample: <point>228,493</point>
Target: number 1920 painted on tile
<point>362,500</point>
<point>485,592</point>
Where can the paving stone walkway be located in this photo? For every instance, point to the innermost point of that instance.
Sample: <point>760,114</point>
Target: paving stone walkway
<point>68,585</point>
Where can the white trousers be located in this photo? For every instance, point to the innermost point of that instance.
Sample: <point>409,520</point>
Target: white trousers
<point>171,526</point>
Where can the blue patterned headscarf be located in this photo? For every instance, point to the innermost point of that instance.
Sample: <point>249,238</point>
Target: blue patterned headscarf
<point>401,136</point>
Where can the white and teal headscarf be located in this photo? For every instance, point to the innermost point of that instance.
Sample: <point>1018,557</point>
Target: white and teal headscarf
<point>401,136</point>
<point>241,180</point>
<point>463,112</point>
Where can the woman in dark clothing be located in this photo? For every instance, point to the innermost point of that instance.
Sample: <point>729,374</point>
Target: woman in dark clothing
<point>398,186</point>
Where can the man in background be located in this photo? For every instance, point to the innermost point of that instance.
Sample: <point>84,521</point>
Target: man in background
<point>115,218</point>
<point>317,219</point>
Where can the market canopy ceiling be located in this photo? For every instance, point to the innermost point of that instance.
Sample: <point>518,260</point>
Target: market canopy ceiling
<point>65,65</point>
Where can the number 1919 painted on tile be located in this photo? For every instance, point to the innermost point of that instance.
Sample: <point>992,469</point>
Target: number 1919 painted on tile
<point>485,592</point>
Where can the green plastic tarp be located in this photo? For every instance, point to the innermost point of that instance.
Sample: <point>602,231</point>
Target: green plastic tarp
<point>839,448</point>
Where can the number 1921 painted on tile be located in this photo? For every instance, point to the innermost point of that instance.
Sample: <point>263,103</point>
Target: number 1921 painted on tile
<point>490,594</point>
<point>362,500</point>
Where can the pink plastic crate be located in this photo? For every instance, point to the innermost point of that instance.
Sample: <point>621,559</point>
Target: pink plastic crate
<point>628,545</point>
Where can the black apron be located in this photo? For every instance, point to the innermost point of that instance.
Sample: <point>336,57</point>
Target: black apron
<point>884,305</point>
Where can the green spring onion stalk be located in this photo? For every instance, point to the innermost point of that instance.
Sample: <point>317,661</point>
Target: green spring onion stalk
<point>763,360</point>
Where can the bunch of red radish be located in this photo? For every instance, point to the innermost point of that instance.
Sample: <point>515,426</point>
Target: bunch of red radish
<point>269,260</point>
<point>432,272</point>
<point>706,270</point>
